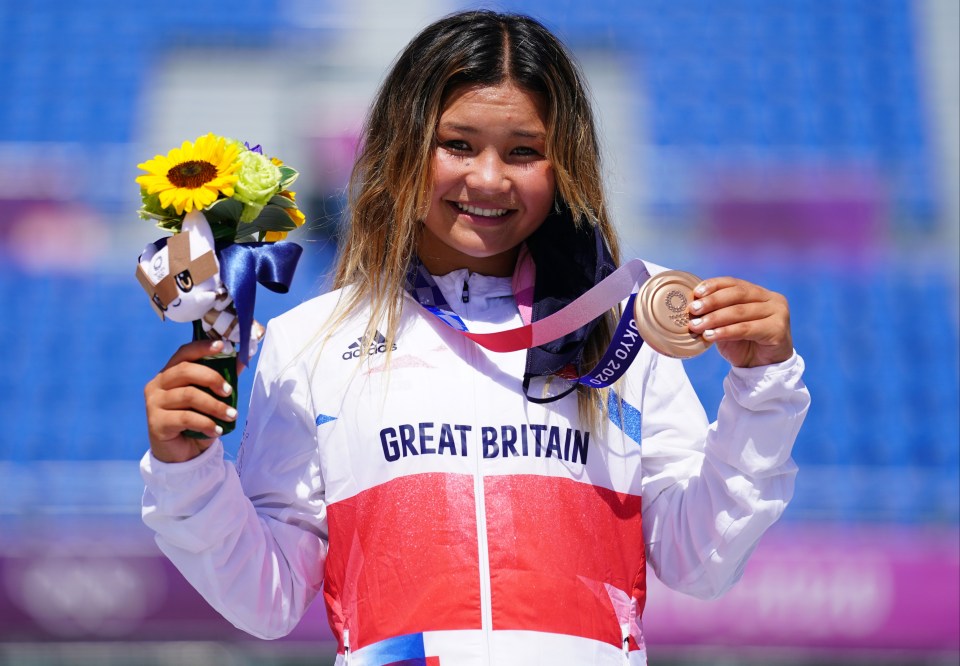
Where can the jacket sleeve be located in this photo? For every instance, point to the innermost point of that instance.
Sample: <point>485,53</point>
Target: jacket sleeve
<point>251,542</point>
<point>711,490</point>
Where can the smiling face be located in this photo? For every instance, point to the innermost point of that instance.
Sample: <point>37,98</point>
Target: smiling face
<point>493,185</point>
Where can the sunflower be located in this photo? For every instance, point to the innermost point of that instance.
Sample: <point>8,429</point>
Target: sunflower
<point>194,175</point>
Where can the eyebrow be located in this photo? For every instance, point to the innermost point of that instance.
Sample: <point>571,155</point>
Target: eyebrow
<point>470,129</point>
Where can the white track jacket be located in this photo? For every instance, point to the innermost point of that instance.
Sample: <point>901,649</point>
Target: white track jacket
<point>448,521</point>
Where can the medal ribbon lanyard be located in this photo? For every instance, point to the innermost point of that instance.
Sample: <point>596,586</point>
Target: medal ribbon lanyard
<point>605,295</point>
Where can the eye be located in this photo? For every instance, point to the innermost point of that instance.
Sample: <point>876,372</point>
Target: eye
<point>456,146</point>
<point>525,151</point>
<point>159,303</point>
<point>184,281</point>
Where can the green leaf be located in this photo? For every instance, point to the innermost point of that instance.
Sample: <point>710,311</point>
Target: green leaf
<point>146,214</point>
<point>171,224</point>
<point>246,229</point>
<point>283,202</point>
<point>222,216</point>
<point>287,176</point>
<point>223,231</point>
<point>273,218</point>
<point>224,210</point>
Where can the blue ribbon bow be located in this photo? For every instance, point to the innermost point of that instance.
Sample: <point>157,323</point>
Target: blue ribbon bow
<point>243,265</point>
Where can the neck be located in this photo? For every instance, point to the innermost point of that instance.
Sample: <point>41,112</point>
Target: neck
<point>441,263</point>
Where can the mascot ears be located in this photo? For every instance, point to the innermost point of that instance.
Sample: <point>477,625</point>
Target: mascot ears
<point>173,265</point>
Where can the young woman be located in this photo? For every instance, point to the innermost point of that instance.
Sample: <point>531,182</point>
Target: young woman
<point>455,505</point>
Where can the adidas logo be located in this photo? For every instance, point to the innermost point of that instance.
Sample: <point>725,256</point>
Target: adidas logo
<point>358,348</point>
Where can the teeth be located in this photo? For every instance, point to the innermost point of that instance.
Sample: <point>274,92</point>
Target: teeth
<point>484,212</point>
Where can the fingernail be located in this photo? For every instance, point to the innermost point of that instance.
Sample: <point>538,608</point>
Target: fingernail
<point>227,389</point>
<point>696,305</point>
<point>217,345</point>
<point>709,333</point>
<point>700,290</point>
<point>219,430</point>
<point>231,413</point>
<point>696,322</point>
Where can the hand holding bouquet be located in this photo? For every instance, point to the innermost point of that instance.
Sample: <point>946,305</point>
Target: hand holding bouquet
<point>228,209</point>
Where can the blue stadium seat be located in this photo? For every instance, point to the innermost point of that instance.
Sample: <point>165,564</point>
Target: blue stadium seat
<point>747,79</point>
<point>885,392</point>
<point>839,78</point>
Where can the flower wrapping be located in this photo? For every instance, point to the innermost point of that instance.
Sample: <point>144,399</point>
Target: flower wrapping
<point>228,209</point>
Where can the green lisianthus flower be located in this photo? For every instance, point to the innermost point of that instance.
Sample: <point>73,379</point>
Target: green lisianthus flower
<point>259,179</point>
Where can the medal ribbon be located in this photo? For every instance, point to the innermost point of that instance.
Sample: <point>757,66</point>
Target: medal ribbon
<point>604,296</point>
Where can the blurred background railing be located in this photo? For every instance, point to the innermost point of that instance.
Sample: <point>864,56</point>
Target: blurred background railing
<point>813,147</point>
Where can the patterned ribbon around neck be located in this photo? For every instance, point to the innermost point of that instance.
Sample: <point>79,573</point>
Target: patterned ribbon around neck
<point>605,295</point>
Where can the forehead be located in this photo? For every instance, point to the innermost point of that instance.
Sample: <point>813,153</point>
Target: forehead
<point>505,103</point>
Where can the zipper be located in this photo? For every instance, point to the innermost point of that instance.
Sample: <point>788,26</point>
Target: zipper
<point>625,637</point>
<point>486,604</point>
<point>465,295</point>
<point>471,354</point>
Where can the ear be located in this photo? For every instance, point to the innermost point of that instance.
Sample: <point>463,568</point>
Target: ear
<point>147,253</point>
<point>148,287</point>
<point>153,261</point>
<point>145,270</point>
<point>195,225</point>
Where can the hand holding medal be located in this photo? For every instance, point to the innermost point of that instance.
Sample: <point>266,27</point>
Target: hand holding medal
<point>749,324</point>
<point>662,314</point>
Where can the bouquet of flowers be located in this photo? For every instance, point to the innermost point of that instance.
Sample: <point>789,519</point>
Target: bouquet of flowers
<point>228,209</point>
<point>242,193</point>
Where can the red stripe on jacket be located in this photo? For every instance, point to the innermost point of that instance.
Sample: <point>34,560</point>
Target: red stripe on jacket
<point>403,557</point>
<point>553,545</point>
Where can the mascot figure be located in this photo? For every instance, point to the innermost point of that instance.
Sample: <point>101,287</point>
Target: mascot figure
<point>181,275</point>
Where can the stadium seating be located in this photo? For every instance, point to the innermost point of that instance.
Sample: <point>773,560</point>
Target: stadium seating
<point>817,83</point>
<point>881,439</point>
<point>753,83</point>
<point>880,442</point>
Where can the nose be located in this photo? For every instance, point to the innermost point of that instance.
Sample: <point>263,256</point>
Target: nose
<point>488,173</point>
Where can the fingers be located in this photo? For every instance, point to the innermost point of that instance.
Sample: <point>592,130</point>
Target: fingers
<point>192,398</point>
<point>717,293</point>
<point>176,399</point>
<point>194,351</point>
<point>167,425</point>
<point>170,411</point>
<point>731,309</point>
<point>187,373</point>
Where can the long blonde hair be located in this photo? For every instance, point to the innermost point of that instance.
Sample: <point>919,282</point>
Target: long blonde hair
<point>390,186</point>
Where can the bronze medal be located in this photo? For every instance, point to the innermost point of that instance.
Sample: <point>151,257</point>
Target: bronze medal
<point>661,314</point>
